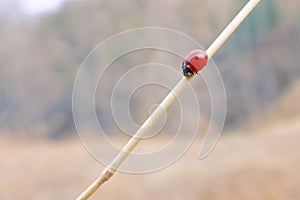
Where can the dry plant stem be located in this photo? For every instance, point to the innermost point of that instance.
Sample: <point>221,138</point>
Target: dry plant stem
<point>231,27</point>
<point>169,99</point>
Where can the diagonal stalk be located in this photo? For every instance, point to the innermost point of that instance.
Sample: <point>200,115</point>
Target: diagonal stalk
<point>109,171</point>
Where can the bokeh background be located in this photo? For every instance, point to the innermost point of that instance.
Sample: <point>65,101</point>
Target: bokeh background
<point>42,46</point>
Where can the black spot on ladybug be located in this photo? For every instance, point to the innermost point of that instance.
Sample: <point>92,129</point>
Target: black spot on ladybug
<point>197,57</point>
<point>206,57</point>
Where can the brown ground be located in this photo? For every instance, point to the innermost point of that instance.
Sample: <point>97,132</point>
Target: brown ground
<point>243,166</point>
<point>260,163</point>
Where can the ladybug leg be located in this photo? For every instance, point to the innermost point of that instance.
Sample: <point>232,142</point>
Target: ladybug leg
<point>187,72</point>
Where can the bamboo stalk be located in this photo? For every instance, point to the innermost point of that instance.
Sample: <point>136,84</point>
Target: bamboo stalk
<point>109,171</point>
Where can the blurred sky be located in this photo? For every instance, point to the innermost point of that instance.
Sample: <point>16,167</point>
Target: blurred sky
<point>33,7</point>
<point>30,7</point>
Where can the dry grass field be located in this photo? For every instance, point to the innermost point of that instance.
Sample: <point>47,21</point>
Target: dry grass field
<point>261,163</point>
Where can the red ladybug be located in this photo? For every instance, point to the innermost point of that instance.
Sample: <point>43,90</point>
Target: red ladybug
<point>194,62</point>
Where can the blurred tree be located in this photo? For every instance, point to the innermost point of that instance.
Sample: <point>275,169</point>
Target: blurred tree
<point>38,61</point>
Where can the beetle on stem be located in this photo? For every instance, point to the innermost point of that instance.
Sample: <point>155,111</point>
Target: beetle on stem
<point>194,62</point>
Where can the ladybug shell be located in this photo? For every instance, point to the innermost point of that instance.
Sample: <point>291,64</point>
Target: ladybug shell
<point>196,60</point>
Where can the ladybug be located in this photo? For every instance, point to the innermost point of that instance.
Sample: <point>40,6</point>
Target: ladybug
<point>194,62</point>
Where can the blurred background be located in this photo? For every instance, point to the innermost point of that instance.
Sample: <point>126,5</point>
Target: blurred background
<point>42,46</point>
